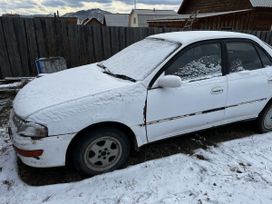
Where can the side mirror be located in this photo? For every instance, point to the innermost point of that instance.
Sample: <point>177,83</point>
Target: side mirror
<point>169,81</point>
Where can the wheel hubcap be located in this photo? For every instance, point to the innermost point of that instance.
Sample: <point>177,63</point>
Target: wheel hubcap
<point>268,120</point>
<point>103,153</point>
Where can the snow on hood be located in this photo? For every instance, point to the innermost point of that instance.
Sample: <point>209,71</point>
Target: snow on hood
<point>60,87</point>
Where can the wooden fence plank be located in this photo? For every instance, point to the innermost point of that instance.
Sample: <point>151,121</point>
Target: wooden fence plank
<point>31,45</point>
<point>122,38</point>
<point>20,33</point>
<point>12,46</point>
<point>106,42</point>
<point>270,38</point>
<point>114,40</point>
<point>98,44</point>
<point>90,44</point>
<point>73,41</point>
<point>83,53</point>
<point>4,57</point>
<point>144,33</point>
<point>266,39</point>
<point>58,37</point>
<point>50,38</point>
<point>40,35</point>
<point>65,42</point>
<point>130,36</point>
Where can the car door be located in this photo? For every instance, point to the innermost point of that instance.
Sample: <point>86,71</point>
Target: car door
<point>267,65</point>
<point>198,103</point>
<point>248,83</point>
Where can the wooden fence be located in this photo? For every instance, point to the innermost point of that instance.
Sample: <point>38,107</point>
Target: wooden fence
<point>22,40</point>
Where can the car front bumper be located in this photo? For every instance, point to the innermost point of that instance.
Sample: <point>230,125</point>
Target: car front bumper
<point>53,148</point>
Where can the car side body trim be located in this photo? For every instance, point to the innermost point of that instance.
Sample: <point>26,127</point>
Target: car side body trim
<point>202,112</point>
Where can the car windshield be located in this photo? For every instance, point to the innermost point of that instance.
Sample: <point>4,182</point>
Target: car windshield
<point>140,59</point>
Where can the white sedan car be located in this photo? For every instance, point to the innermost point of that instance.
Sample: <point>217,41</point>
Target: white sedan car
<point>163,86</point>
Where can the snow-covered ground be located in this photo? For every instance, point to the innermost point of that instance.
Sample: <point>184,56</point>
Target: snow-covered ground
<point>237,171</point>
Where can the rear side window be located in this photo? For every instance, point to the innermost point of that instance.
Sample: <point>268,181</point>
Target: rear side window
<point>242,56</point>
<point>265,59</point>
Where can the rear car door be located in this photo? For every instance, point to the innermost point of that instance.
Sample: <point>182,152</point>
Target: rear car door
<point>200,100</point>
<point>248,85</point>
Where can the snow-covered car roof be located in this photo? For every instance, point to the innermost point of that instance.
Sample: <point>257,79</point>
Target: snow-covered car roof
<point>187,37</point>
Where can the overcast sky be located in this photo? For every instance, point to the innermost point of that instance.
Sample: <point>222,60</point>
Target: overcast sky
<point>64,6</point>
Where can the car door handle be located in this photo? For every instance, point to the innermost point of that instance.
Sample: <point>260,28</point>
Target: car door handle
<point>270,81</point>
<point>217,90</point>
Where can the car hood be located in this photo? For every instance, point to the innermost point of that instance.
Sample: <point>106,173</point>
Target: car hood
<point>62,87</point>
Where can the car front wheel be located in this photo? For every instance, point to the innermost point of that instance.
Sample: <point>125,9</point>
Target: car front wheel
<point>100,151</point>
<point>265,119</point>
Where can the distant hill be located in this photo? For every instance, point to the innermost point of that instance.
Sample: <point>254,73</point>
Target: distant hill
<point>91,13</point>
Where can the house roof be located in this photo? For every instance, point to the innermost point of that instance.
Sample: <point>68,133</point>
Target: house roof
<point>153,12</point>
<point>86,21</point>
<point>187,37</point>
<point>120,20</point>
<point>254,3</point>
<point>183,17</point>
<point>144,18</point>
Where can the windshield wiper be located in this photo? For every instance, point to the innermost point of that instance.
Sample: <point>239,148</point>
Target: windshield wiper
<point>102,66</point>
<point>120,76</point>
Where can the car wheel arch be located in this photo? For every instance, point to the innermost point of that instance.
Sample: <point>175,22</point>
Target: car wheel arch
<point>117,125</point>
<point>269,102</point>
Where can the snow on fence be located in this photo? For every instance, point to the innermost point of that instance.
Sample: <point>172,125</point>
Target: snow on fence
<point>23,40</point>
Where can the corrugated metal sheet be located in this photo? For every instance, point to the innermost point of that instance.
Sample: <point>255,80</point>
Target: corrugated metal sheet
<point>120,20</point>
<point>261,3</point>
<point>144,18</point>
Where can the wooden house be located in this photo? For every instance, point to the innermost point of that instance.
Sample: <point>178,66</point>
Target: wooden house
<point>220,14</point>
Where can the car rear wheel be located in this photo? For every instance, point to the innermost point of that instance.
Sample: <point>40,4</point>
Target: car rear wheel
<point>265,119</point>
<point>100,151</point>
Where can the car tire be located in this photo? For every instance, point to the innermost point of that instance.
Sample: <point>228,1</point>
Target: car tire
<point>101,150</point>
<point>264,122</point>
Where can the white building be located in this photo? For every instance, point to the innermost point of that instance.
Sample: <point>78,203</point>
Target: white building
<point>119,20</point>
<point>139,17</point>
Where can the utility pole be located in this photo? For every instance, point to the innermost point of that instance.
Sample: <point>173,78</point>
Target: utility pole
<point>135,4</point>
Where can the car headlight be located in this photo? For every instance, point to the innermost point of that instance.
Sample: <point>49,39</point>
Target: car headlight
<point>31,129</point>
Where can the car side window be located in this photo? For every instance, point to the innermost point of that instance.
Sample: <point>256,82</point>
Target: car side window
<point>265,59</point>
<point>242,56</point>
<point>199,62</point>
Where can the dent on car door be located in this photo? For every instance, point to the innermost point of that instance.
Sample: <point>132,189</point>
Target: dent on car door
<point>248,86</point>
<point>200,100</point>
